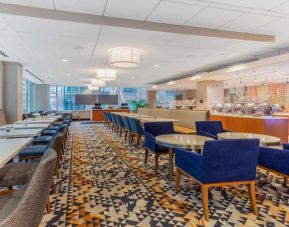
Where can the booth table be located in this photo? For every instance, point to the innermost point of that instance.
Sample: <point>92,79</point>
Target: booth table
<point>185,141</point>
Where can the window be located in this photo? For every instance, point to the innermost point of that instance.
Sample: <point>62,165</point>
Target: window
<point>28,96</point>
<point>63,97</point>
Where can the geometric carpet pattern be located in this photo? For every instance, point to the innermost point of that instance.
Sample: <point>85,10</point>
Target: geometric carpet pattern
<point>104,182</point>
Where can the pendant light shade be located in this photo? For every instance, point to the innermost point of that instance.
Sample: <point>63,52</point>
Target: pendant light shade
<point>124,57</point>
<point>106,74</point>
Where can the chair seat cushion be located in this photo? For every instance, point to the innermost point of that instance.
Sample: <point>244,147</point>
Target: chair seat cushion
<point>49,132</point>
<point>52,128</point>
<point>33,151</point>
<point>16,173</point>
<point>184,130</point>
<point>42,140</point>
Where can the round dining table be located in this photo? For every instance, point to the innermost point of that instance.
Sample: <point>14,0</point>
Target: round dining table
<point>265,140</point>
<point>172,141</point>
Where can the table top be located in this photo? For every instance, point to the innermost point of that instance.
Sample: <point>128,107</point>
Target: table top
<point>11,147</point>
<point>28,126</point>
<point>264,139</point>
<point>133,115</point>
<point>182,141</point>
<point>37,121</point>
<point>157,119</point>
<point>20,133</point>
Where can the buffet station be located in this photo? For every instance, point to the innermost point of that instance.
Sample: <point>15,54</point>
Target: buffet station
<point>257,118</point>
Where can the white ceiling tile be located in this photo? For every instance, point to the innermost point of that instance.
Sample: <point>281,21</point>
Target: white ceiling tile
<point>207,18</point>
<point>137,9</point>
<point>254,4</point>
<point>248,22</point>
<point>174,13</point>
<point>81,6</point>
<point>35,3</point>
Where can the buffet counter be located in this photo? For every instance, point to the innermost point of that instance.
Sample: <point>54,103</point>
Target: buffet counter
<point>267,125</point>
<point>97,114</point>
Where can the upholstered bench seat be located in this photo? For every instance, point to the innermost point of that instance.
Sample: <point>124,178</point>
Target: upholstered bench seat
<point>33,151</point>
<point>184,130</point>
<point>42,140</point>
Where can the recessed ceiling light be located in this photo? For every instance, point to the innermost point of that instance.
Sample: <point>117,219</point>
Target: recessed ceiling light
<point>155,86</point>
<point>171,82</point>
<point>156,66</point>
<point>65,60</point>
<point>132,77</point>
<point>196,77</point>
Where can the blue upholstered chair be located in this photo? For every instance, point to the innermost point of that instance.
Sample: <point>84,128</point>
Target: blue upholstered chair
<point>109,119</point>
<point>209,128</point>
<point>151,130</point>
<point>136,130</point>
<point>120,124</point>
<point>286,146</point>
<point>275,160</point>
<point>222,162</point>
<point>114,123</point>
<point>51,132</point>
<point>127,128</point>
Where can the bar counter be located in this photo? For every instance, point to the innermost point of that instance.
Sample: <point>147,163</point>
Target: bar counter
<point>97,114</point>
<point>267,125</point>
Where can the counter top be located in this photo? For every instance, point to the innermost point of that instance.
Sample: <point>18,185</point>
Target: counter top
<point>254,117</point>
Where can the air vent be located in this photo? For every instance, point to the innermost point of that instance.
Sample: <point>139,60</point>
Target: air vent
<point>3,54</point>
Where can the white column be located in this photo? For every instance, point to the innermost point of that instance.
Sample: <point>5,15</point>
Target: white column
<point>41,97</point>
<point>13,91</point>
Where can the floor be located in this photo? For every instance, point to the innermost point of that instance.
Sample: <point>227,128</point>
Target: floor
<point>104,182</point>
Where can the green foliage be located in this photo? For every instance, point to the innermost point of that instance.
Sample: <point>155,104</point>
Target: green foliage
<point>137,104</point>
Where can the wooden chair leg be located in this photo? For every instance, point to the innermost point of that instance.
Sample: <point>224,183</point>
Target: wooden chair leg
<point>205,196</point>
<point>138,141</point>
<point>120,133</point>
<point>125,135</point>
<point>48,207</point>
<point>131,139</point>
<point>252,195</point>
<point>178,177</point>
<point>53,187</point>
<point>146,156</point>
<point>156,162</point>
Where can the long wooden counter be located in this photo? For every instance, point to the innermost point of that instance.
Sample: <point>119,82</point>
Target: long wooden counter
<point>273,126</point>
<point>97,114</point>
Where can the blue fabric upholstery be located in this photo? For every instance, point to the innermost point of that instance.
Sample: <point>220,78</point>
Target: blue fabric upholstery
<point>119,120</point>
<point>274,159</point>
<point>209,128</point>
<point>286,146</point>
<point>221,161</point>
<point>33,151</point>
<point>109,117</point>
<point>42,140</point>
<point>113,118</point>
<point>153,129</point>
<point>126,123</point>
<point>53,132</point>
<point>135,126</point>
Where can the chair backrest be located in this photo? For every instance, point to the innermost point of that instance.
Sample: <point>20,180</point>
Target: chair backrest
<point>159,128</point>
<point>105,115</point>
<point>230,160</point>
<point>113,118</point>
<point>119,120</point>
<point>126,123</point>
<point>30,209</point>
<point>135,125</point>
<point>109,116</point>
<point>57,143</point>
<point>211,127</point>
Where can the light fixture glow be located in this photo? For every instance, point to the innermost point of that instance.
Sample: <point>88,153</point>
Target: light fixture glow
<point>155,86</point>
<point>156,66</point>
<point>171,82</point>
<point>236,68</point>
<point>65,60</point>
<point>106,74</point>
<point>132,77</point>
<point>98,83</point>
<point>124,57</point>
<point>197,77</point>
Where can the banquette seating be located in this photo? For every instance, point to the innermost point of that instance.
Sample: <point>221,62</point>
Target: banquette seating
<point>187,117</point>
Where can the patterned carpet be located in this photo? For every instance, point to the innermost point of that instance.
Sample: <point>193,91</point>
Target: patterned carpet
<point>104,182</point>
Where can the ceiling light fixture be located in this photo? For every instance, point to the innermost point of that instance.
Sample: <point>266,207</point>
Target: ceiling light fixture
<point>236,68</point>
<point>197,77</point>
<point>98,83</point>
<point>65,60</point>
<point>156,66</point>
<point>124,57</point>
<point>155,86</point>
<point>106,74</point>
<point>171,82</point>
<point>132,77</point>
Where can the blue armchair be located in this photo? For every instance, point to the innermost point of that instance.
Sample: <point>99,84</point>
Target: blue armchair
<point>127,128</point>
<point>223,162</point>
<point>274,160</point>
<point>209,128</point>
<point>151,130</point>
<point>136,130</point>
<point>120,124</point>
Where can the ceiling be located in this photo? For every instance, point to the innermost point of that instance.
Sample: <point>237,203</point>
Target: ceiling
<point>41,44</point>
